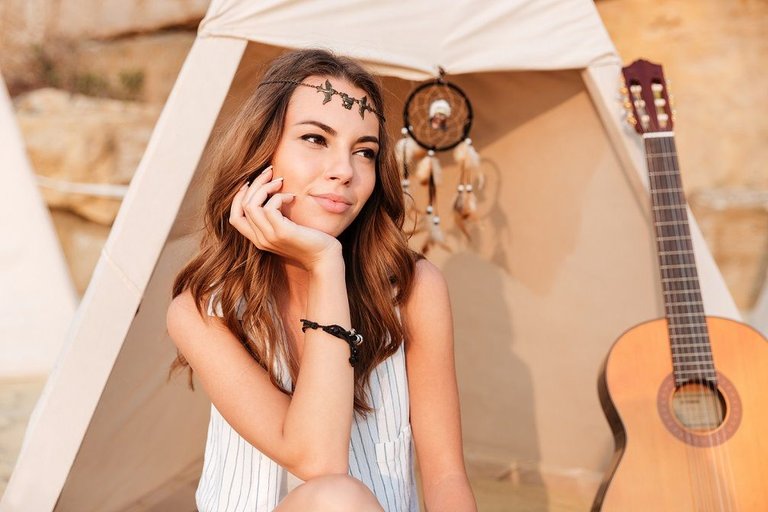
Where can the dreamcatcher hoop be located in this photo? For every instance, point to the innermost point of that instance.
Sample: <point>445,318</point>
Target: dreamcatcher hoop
<point>433,92</point>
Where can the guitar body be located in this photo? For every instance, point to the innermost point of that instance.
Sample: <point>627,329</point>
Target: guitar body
<point>658,464</point>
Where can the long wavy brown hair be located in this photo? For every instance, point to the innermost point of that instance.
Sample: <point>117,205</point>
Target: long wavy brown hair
<point>229,269</point>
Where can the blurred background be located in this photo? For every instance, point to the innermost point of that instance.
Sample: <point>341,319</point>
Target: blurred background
<point>88,79</point>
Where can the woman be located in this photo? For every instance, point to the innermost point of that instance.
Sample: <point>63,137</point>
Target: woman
<point>314,239</point>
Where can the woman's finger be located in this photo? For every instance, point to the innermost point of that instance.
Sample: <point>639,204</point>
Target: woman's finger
<point>272,211</point>
<point>236,209</point>
<point>258,197</point>
<point>254,215</point>
<point>258,182</point>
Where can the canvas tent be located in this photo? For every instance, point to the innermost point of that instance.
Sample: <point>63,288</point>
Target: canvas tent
<point>38,298</point>
<point>560,264</point>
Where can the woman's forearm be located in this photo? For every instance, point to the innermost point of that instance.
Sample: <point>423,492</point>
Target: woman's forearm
<point>318,421</point>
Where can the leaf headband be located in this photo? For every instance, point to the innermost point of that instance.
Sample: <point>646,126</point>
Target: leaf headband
<point>327,89</point>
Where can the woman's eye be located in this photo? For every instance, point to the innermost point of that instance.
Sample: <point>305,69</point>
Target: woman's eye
<point>314,139</point>
<point>367,153</point>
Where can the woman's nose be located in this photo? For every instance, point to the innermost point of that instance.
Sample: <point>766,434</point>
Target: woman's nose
<point>340,168</point>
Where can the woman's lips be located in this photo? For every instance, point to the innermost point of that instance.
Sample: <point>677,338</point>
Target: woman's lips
<point>332,204</point>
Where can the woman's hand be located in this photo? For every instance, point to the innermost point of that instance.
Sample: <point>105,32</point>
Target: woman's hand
<point>256,214</point>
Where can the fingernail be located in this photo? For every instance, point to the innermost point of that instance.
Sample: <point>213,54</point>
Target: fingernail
<point>247,184</point>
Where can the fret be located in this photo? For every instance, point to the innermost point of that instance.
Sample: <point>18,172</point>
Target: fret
<point>666,238</point>
<point>691,303</point>
<point>666,190</point>
<point>699,364</point>
<point>677,272</point>
<point>664,173</point>
<point>681,292</point>
<point>671,223</point>
<point>697,372</point>
<point>684,315</point>
<point>684,251</point>
<point>696,324</point>
<point>661,154</point>
<point>666,259</point>
<point>687,336</point>
<point>707,355</point>
<point>691,345</point>
<point>669,207</point>
<point>681,265</point>
<point>678,279</point>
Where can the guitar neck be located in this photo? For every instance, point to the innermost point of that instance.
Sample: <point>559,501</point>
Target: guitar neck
<point>683,305</point>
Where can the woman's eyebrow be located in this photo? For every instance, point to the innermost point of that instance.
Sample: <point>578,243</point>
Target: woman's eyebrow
<point>322,126</point>
<point>369,138</point>
<point>330,131</point>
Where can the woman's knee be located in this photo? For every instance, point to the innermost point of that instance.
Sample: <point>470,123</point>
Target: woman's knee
<point>332,493</point>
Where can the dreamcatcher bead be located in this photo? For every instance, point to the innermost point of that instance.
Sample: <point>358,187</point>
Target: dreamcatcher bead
<point>404,130</point>
<point>429,209</point>
<point>469,187</point>
<point>436,220</point>
<point>460,188</point>
<point>406,183</point>
<point>431,152</point>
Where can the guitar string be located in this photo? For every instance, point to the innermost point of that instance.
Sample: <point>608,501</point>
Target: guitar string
<point>723,475</point>
<point>684,246</point>
<point>661,179</point>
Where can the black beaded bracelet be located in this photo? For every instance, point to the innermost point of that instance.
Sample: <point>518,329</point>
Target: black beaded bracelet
<point>352,338</point>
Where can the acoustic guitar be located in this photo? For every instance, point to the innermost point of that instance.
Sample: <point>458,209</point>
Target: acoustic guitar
<point>686,395</point>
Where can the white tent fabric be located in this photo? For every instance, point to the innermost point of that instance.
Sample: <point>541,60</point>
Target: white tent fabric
<point>38,298</point>
<point>410,39</point>
<point>561,263</point>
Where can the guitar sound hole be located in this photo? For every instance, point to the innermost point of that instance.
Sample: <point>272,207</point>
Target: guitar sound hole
<point>698,407</point>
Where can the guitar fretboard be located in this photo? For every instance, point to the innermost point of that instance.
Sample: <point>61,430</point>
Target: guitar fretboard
<point>684,309</point>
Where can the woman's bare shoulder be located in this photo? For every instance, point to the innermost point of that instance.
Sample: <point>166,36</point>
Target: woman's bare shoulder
<point>187,323</point>
<point>429,285</point>
<point>428,304</point>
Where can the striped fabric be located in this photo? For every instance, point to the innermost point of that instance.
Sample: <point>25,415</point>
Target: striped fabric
<point>238,477</point>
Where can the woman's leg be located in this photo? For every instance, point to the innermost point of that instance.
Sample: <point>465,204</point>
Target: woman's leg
<point>330,493</point>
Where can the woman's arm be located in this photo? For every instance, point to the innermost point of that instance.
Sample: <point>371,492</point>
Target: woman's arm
<point>309,433</point>
<point>435,417</point>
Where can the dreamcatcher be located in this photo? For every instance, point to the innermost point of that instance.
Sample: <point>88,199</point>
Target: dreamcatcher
<point>437,117</point>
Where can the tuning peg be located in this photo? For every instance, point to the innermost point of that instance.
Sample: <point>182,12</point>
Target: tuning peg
<point>627,105</point>
<point>631,119</point>
<point>623,90</point>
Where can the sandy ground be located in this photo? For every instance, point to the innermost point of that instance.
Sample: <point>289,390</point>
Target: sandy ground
<point>17,398</point>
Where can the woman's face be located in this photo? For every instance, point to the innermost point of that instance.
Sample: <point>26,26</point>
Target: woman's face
<point>327,157</point>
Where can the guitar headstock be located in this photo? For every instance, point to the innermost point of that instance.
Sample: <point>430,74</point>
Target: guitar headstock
<point>646,97</point>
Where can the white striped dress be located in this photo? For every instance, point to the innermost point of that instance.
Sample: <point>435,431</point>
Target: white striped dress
<point>238,477</point>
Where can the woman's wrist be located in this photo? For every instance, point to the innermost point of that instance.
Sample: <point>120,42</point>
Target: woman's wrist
<point>330,261</point>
